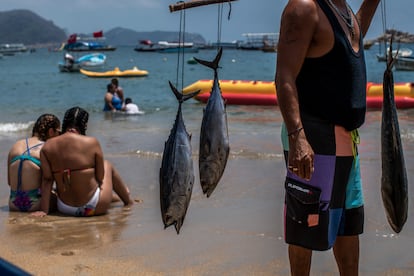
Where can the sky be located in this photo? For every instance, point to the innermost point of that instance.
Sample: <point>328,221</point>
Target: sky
<point>247,16</point>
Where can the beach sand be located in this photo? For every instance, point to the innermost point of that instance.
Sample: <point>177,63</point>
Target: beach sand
<point>237,231</point>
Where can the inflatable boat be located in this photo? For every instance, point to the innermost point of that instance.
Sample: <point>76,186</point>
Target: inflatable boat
<point>248,92</point>
<point>116,73</point>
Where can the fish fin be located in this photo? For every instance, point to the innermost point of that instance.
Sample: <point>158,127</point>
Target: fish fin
<point>391,58</point>
<point>189,96</point>
<point>212,64</point>
<point>177,94</point>
<point>180,96</point>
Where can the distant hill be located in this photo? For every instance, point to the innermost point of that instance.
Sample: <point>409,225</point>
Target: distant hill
<point>24,26</point>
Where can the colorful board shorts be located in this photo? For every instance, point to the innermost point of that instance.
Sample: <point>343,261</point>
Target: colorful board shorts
<point>333,194</point>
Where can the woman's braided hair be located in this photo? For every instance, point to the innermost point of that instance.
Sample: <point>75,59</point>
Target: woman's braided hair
<point>43,124</point>
<point>76,117</point>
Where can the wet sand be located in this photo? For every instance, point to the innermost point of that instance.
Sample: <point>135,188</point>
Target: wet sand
<point>237,231</point>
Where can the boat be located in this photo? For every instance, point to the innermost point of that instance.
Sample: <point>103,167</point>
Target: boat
<point>146,46</point>
<point>191,61</point>
<point>403,52</point>
<point>269,47</point>
<point>85,44</point>
<point>266,42</point>
<point>224,45</point>
<point>89,61</point>
<point>249,92</point>
<point>134,72</point>
<point>10,49</point>
<point>166,47</point>
<point>92,60</point>
<point>404,63</point>
<point>368,44</point>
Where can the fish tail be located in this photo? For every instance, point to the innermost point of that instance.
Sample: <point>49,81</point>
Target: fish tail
<point>178,225</point>
<point>212,64</point>
<point>180,96</point>
<point>177,94</point>
<point>189,96</point>
<point>390,57</point>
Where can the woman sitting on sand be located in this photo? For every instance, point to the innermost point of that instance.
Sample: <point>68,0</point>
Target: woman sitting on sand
<point>23,165</point>
<point>84,180</point>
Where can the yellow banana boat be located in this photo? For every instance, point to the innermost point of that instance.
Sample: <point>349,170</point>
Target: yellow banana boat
<point>248,92</point>
<point>116,73</point>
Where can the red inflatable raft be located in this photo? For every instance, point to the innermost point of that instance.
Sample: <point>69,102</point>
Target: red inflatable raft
<point>245,92</point>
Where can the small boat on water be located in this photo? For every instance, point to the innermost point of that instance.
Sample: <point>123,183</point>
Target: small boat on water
<point>191,61</point>
<point>134,72</point>
<point>92,60</point>
<point>166,47</point>
<point>10,49</point>
<point>69,64</point>
<point>248,92</point>
<point>85,44</point>
<point>403,52</point>
<point>404,63</point>
<point>266,42</point>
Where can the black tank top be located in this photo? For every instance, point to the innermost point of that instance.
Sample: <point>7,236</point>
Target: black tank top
<point>333,87</point>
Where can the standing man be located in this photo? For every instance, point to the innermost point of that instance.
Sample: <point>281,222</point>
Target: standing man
<point>321,91</point>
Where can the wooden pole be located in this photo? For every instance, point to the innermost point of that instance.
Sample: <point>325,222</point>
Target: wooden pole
<point>196,3</point>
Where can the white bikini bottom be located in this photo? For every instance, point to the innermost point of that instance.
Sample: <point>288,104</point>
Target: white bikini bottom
<point>83,211</point>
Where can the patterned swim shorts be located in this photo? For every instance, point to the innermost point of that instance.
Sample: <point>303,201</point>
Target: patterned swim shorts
<point>331,203</point>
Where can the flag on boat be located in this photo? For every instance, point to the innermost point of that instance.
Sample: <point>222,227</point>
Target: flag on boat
<point>98,34</point>
<point>72,38</point>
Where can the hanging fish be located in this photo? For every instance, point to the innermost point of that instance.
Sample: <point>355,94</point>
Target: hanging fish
<point>176,172</point>
<point>214,138</point>
<point>394,186</point>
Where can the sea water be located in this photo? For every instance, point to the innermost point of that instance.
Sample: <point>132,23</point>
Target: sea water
<point>32,85</point>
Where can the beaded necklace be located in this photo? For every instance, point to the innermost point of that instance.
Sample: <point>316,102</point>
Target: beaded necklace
<point>347,18</point>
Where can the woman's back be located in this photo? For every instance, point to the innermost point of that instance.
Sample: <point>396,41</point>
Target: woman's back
<point>28,160</point>
<point>76,164</point>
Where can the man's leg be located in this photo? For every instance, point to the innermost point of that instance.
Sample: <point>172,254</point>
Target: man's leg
<point>346,251</point>
<point>300,260</point>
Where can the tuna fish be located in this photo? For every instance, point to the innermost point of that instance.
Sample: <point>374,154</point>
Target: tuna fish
<point>176,172</point>
<point>394,188</point>
<point>214,138</point>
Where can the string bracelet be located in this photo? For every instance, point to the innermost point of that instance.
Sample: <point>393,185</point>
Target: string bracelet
<point>294,132</point>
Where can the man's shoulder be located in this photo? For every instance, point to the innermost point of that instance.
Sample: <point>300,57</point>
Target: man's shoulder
<point>302,7</point>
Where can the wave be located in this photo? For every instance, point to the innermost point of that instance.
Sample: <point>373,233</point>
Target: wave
<point>15,127</point>
<point>241,154</point>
